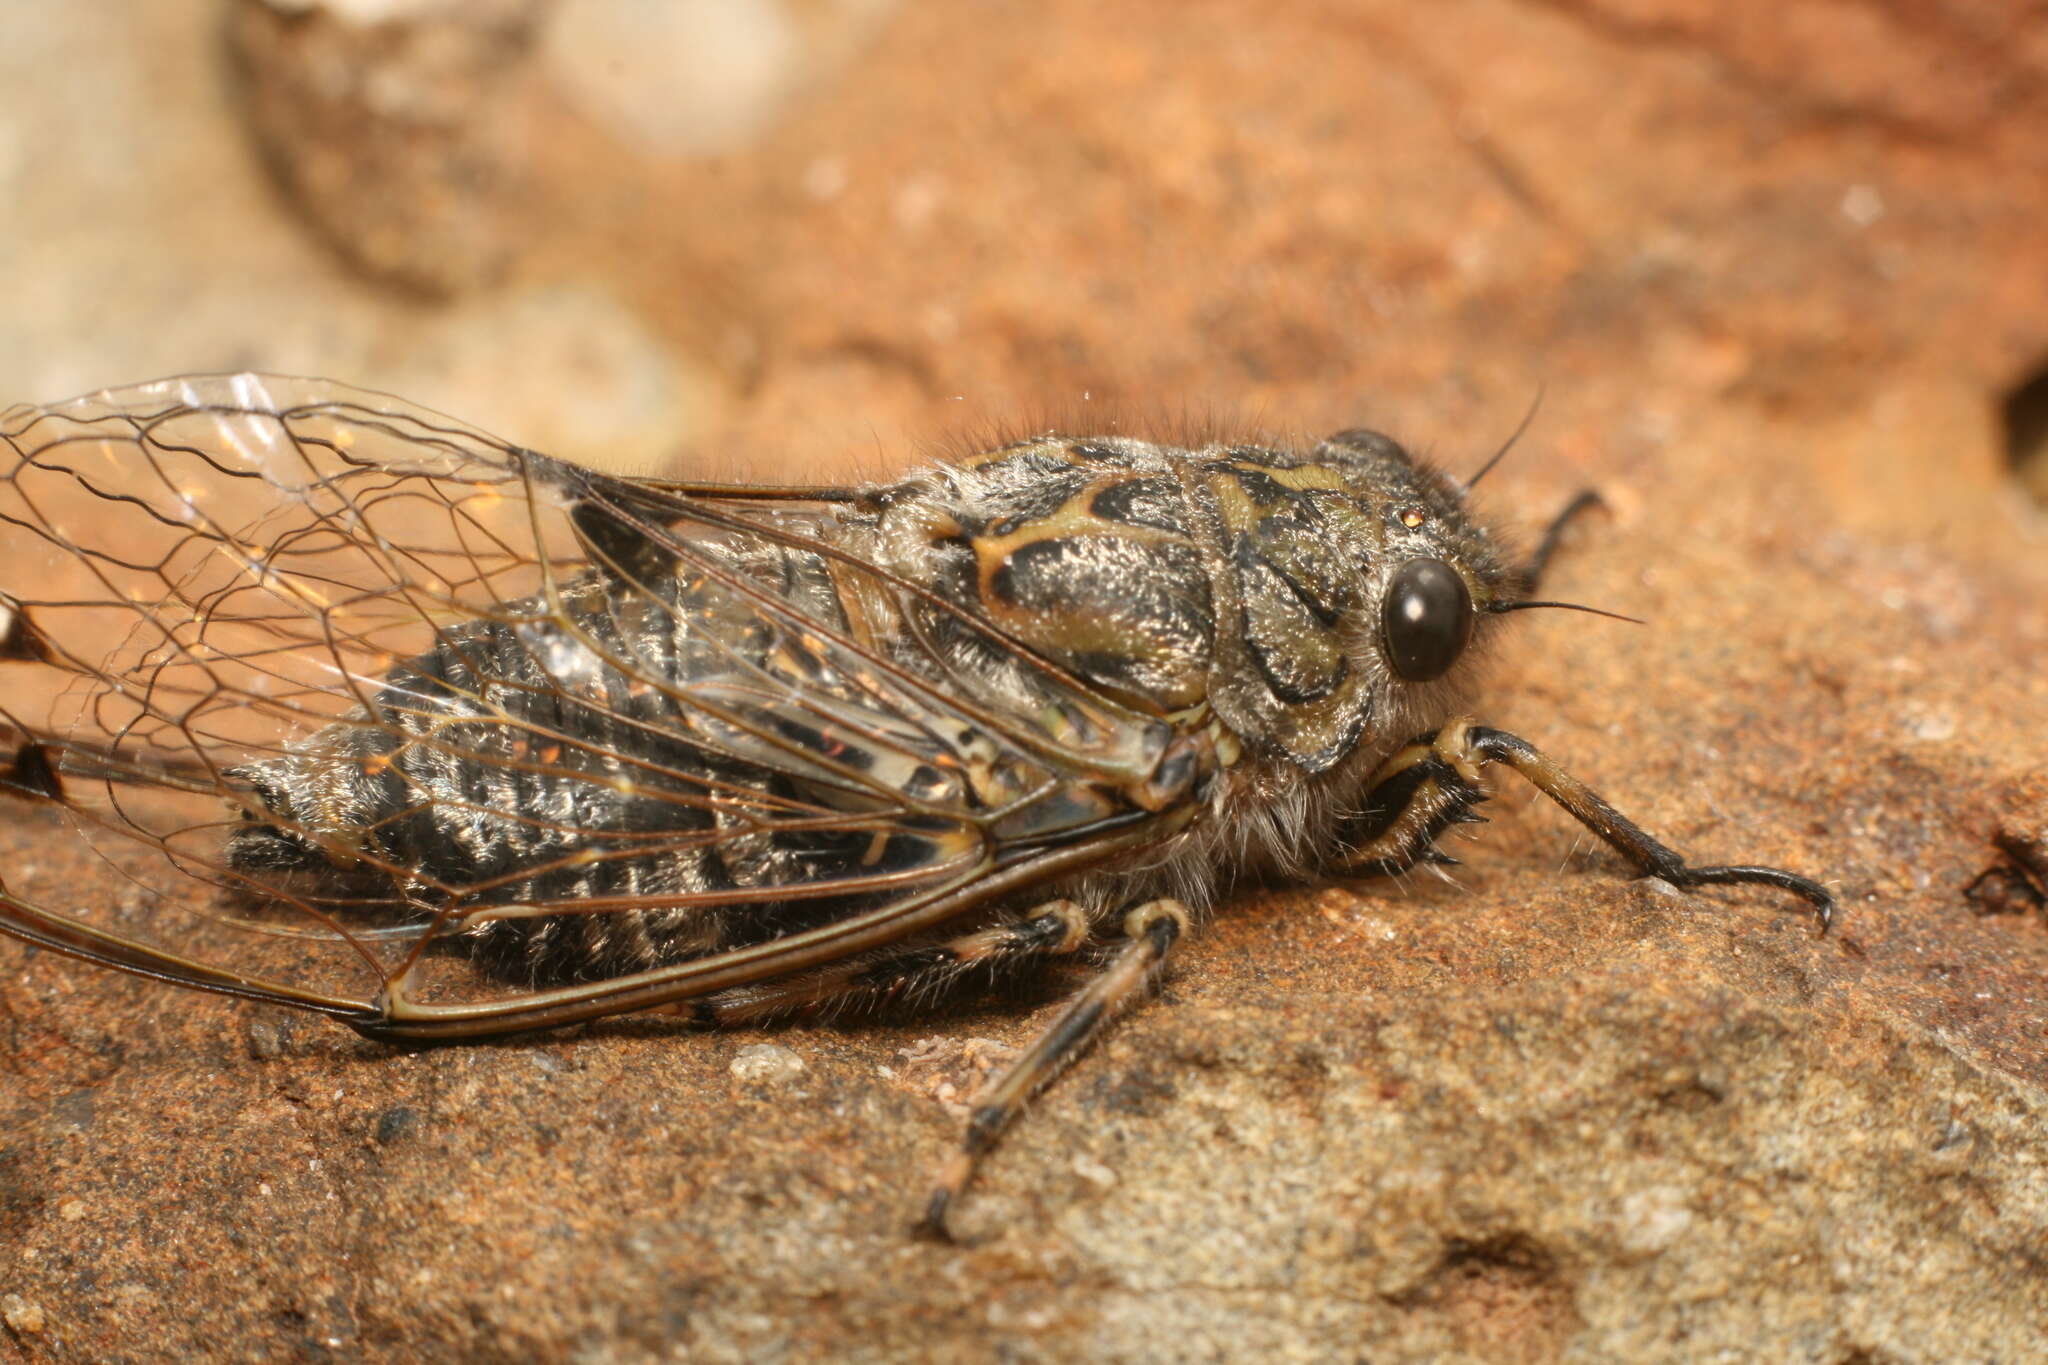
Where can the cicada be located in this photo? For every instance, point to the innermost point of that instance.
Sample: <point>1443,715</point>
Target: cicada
<point>389,720</point>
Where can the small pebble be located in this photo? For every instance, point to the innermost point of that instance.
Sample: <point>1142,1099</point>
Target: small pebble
<point>23,1318</point>
<point>395,1123</point>
<point>267,1036</point>
<point>766,1064</point>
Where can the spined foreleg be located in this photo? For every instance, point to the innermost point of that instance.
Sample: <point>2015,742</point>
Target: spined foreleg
<point>1434,783</point>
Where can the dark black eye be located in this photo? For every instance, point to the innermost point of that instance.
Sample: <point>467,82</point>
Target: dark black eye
<point>1427,618</point>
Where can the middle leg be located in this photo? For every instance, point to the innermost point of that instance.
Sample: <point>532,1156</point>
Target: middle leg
<point>914,971</point>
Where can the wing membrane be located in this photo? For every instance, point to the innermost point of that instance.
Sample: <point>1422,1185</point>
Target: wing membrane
<point>373,679</point>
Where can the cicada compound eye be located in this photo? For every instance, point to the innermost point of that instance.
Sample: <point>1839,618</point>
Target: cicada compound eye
<point>1427,619</point>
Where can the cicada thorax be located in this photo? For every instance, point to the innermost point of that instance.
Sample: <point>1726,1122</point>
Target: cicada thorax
<point>1082,551</point>
<point>1297,672</point>
<point>1235,591</point>
<point>1235,581</point>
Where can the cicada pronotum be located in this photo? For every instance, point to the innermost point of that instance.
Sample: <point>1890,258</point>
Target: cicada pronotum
<point>392,721</point>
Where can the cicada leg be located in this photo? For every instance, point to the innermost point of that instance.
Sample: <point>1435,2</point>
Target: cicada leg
<point>1151,930</point>
<point>1553,536</point>
<point>1434,783</point>
<point>915,971</point>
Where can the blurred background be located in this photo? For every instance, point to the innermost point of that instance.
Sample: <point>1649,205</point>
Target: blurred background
<point>824,233</point>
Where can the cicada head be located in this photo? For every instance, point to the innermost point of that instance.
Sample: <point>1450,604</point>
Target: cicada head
<point>1365,586</point>
<point>1438,573</point>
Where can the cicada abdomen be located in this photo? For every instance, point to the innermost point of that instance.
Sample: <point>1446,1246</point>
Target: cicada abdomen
<point>394,721</point>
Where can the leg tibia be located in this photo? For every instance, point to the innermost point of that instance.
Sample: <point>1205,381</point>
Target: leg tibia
<point>1151,930</point>
<point>914,971</point>
<point>1433,783</point>
<point>1623,835</point>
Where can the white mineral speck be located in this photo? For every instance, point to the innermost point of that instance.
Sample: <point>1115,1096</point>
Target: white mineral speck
<point>766,1064</point>
<point>1932,724</point>
<point>1862,205</point>
<point>826,178</point>
<point>1653,1219</point>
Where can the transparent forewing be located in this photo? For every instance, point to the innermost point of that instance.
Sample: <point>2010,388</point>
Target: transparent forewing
<point>228,557</point>
<point>333,682</point>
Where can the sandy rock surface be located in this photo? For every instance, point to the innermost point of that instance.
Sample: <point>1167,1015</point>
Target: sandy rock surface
<point>1776,270</point>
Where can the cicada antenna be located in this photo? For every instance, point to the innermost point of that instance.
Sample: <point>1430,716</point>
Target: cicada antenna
<point>1566,606</point>
<point>1509,444</point>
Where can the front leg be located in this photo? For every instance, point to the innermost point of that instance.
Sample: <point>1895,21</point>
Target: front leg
<point>1434,783</point>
